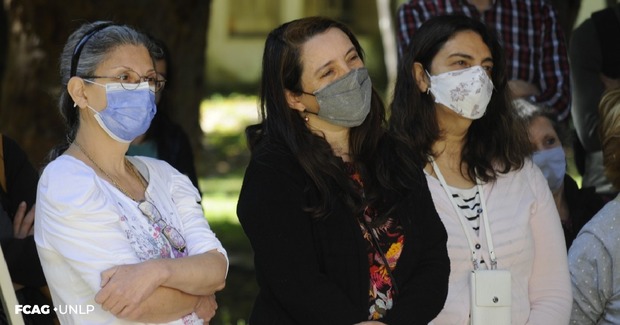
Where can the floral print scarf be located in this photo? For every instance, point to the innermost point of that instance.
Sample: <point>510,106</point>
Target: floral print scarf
<point>391,240</point>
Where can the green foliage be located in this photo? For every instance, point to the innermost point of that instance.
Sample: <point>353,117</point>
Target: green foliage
<point>223,120</point>
<point>235,301</point>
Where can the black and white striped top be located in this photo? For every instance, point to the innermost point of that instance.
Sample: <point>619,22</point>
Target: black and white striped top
<point>468,200</point>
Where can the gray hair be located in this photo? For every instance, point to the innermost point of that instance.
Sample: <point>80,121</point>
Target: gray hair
<point>529,111</point>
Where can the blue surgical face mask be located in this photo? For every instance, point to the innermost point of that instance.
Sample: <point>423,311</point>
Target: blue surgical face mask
<point>129,112</point>
<point>552,163</point>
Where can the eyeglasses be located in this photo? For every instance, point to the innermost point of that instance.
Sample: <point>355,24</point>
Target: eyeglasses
<point>130,80</point>
<point>173,236</point>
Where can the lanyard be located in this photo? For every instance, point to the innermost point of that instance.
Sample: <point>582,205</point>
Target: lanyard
<point>466,229</point>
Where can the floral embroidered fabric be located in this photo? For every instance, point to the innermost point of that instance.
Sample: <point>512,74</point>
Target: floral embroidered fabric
<point>148,241</point>
<point>391,240</point>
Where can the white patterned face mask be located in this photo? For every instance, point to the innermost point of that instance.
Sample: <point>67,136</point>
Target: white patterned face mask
<point>467,92</point>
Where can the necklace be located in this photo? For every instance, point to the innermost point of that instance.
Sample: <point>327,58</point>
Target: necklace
<point>120,188</point>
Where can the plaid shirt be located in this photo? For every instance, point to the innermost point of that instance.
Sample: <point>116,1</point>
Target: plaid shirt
<point>530,34</point>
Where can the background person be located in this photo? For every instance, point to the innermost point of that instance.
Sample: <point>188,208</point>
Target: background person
<point>575,205</point>
<point>128,232</point>
<point>595,67</point>
<point>165,139</point>
<point>593,257</point>
<point>330,247</point>
<point>451,108</point>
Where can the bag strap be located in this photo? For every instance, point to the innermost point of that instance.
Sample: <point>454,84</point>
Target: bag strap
<point>483,216</point>
<point>2,175</point>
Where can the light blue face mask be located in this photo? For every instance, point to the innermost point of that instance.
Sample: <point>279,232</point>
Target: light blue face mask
<point>129,112</point>
<point>552,163</point>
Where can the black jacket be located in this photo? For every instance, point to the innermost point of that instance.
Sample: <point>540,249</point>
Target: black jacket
<point>583,204</point>
<point>21,181</point>
<point>316,271</point>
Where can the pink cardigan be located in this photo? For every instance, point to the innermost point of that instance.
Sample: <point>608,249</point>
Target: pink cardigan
<point>528,241</point>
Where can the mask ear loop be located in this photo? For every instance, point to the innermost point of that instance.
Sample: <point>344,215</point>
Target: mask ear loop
<point>428,88</point>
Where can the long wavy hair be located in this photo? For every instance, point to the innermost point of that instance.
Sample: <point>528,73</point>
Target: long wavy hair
<point>496,143</point>
<point>93,46</point>
<point>282,70</point>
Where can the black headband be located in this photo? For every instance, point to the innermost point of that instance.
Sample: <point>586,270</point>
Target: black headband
<point>80,45</point>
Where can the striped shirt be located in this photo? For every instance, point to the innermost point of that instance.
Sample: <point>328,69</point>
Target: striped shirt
<point>468,200</point>
<point>531,36</point>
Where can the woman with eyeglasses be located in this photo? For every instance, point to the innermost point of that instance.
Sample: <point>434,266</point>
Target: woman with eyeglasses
<point>331,246</point>
<point>122,237</point>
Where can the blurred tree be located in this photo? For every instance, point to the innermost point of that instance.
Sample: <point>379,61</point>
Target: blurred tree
<point>385,13</point>
<point>33,32</point>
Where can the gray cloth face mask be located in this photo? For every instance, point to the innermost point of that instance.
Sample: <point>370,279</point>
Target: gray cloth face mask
<point>346,101</point>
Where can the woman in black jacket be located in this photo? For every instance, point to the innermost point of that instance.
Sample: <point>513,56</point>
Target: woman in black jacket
<point>332,244</point>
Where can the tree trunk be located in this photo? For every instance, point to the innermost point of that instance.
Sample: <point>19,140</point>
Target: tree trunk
<point>35,33</point>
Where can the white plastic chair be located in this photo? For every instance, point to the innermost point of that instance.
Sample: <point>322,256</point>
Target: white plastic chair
<point>9,299</point>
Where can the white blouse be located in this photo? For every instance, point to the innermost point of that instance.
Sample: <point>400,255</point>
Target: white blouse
<point>85,225</point>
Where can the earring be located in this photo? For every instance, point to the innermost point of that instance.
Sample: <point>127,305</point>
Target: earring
<point>74,104</point>
<point>428,90</point>
<point>305,115</point>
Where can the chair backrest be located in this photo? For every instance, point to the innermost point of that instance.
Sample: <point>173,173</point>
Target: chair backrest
<point>9,299</point>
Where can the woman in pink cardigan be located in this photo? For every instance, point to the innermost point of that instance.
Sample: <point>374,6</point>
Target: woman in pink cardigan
<point>451,109</point>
